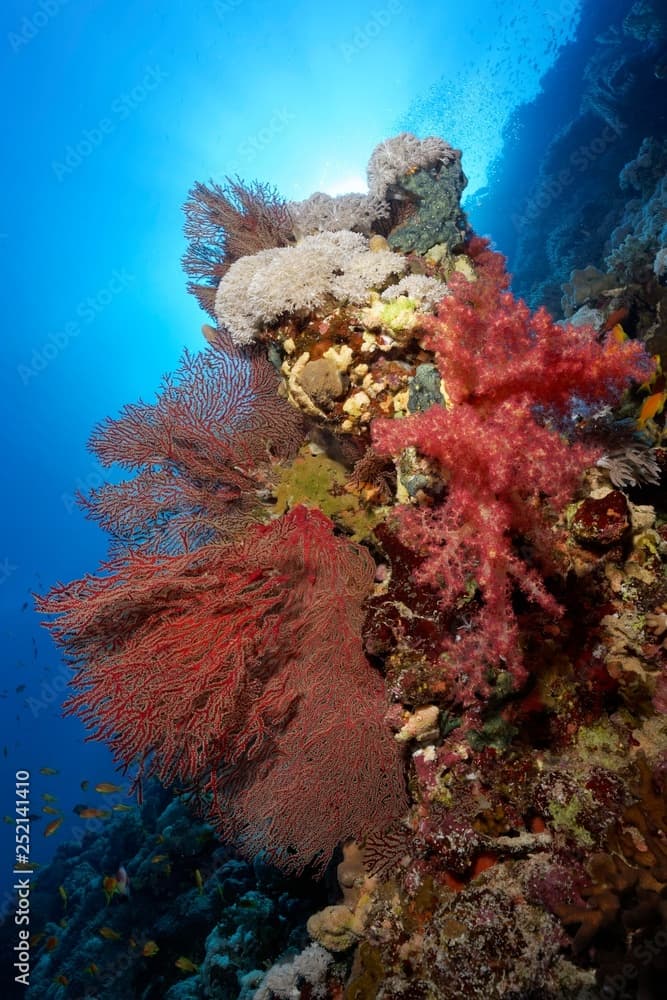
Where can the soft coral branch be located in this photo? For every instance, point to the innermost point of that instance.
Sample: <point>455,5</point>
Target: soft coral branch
<point>507,469</point>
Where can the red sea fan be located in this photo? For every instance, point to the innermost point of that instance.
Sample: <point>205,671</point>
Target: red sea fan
<point>238,669</point>
<point>508,468</point>
<point>202,452</point>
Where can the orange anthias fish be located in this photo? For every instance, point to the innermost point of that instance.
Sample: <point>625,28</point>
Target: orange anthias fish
<point>53,826</point>
<point>651,406</point>
<point>109,934</point>
<point>51,943</point>
<point>106,788</point>
<point>185,964</point>
<point>199,881</point>
<point>48,770</point>
<point>110,887</point>
<point>88,812</point>
<point>150,949</point>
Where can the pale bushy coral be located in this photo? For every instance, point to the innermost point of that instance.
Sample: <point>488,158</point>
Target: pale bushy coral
<point>631,465</point>
<point>321,212</point>
<point>404,154</point>
<point>660,265</point>
<point>285,980</point>
<point>642,231</point>
<point>426,291</point>
<point>323,268</point>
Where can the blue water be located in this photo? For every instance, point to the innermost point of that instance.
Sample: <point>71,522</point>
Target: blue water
<point>111,110</point>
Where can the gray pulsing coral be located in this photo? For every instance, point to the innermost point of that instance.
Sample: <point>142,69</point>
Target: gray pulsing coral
<point>360,213</point>
<point>405,154</point>
<point>427,173</point>
<point>332,263</point>
<point>426,291</point>
<point>322,269</point>
<point>284,981</point>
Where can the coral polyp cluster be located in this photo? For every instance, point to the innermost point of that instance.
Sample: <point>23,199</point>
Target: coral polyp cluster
<point>374,587</point>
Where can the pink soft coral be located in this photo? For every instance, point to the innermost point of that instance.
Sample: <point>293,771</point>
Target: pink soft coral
<point>509,376</point>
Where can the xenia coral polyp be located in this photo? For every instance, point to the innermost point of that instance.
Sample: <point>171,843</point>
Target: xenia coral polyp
<point>509,376</point>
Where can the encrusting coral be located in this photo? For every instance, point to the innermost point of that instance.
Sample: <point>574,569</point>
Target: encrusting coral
<point>369,588</point>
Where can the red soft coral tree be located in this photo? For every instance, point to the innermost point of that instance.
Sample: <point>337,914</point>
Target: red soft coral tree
<point>509,376</point>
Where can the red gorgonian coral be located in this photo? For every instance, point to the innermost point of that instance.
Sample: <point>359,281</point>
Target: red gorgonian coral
<point>510,377</point>
<point>225,659</point>
<point>201,453</point>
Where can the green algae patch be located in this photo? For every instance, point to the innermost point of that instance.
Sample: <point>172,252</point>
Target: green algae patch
<point>319,481</point>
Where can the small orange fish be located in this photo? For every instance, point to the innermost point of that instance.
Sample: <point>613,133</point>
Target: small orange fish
<point>618,334</point>
<point>150,949</point>
<point>53,826</point>
<point>120,807</point>
<point>62,892</point>
<point>109,933</point>
<point>651,406</point>
<point>199,881</point>
<point>48,770</point>
<point>110,887</point>
<point>185,965</point>
<point>61,980</point>
<point>106,788</point>
<point>51,943</point>
<point>159,858</point>
<point>50,811</point>
<point>86,812</point>
<point>48,797</point>
<point>92,969</point>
